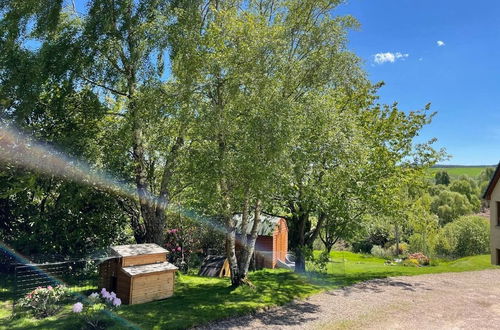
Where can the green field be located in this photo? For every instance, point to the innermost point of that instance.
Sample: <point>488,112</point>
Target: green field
<point>458,171</point>
<point>199,300</point>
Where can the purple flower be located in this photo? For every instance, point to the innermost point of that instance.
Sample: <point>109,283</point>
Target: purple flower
<point>94,295</point>
<point>117,302</point>
<point>112,295</point>
<point>78,307</point>
<point>104,291</point>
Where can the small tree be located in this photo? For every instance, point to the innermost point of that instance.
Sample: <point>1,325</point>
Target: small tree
<point>442,177</point>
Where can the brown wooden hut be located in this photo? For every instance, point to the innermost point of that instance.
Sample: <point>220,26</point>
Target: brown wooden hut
<point>138,273</point>
<point>271,246</point>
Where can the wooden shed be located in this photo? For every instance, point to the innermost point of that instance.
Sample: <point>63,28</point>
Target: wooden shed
<point>215,266</point>
<point>271,246</point>
<point>138,273</point>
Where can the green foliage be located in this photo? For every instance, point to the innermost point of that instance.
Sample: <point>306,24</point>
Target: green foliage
<point>424,226</point>
<point>402,249</point>
<point>449,205</point>
<point>380,252</point>
<point>465,236</point>
<point>442,177</point>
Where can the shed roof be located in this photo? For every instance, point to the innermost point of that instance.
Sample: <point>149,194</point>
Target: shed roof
<point>266,227</point>
<point>151,268</point>
<point>492,184</point>
<point>212,266</point>
<point>136,249</point>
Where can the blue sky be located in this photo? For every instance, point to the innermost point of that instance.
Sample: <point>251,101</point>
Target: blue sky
<point>460,78</point>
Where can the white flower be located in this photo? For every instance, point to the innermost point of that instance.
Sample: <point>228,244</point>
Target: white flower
<point>117,302</point>
<point>94,295</point>
<point>78,307</point>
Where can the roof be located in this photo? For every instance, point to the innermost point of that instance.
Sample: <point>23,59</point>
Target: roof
<point>136,249</point>
<point>212,266</point>
<point>492,184</point>
<point>151,268</point>
<point>266,227</point>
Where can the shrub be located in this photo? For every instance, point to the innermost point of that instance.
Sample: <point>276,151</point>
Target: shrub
<point>380,252</point>
<point>93,308</point>
<point>420,257</point>
<point>403,249</point>
<point>466,236</point>
<point>44,302</point>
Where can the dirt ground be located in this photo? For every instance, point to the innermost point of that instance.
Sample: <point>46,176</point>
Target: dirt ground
<point>469,300</point>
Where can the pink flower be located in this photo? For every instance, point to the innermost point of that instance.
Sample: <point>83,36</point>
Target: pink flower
<point>49,287</point>
<point>179,248</point>
<point>117,302</point>
<point>78,307</point>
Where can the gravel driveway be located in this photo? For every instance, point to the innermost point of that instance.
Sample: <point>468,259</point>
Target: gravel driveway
<point>434,301</point>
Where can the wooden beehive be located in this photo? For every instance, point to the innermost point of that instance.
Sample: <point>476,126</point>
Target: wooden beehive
<point>138,273</point>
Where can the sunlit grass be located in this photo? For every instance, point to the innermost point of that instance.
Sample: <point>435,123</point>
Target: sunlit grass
<point>199,300</point>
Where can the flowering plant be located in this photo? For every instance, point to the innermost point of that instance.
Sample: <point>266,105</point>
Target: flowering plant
<point>44,301</point>
<point>91,309</point>
<point>420,257</point>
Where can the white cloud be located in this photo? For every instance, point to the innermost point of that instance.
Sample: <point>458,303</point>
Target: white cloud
<point>381,58</point>
<point>440,43</point>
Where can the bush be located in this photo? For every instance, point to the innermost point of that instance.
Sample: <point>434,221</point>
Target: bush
<point>421,258</point>
<point>403,249</point>
<point>93,309</point>
<point>363,246</point>
<point>44,302</point>
<point>380,252</point>
<point>466,236</point>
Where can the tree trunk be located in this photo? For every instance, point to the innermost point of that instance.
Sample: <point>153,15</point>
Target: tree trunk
<point>243,239</point>
<point>300,257</point>
<point>231,242</point>
<point>396,234</point>
<point>251,242</point>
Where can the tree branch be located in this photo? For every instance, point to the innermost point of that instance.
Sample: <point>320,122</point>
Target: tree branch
<point>112,90</point>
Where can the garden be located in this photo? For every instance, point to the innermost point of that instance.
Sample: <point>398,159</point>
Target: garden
<point>198,300</point>
<point>189,125</point>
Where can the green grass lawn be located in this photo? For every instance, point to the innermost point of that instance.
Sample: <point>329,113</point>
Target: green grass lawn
<point>455,172</point>
<point>198,300</point>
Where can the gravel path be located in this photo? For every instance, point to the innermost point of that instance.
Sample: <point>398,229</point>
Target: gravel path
<point>434,301</point>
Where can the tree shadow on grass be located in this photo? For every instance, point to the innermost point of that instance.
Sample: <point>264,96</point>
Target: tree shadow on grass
<point>200,300</point>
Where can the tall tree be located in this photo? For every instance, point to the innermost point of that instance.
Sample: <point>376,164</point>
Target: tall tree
<point>116,48</point>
